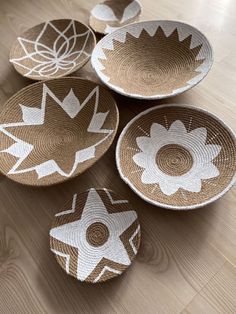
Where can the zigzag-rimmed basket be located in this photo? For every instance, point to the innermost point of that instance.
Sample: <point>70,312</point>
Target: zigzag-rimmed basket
<point>96,236</point>
<point>54,130</point>
<point>153,60</point>
<point>52,49</point>
<point>109,15</point>
<point>177,156</point>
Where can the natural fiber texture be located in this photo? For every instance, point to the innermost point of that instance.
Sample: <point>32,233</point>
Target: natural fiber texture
<point>112,14</point>
<point>53,131</point>
<point>96,236</point>
<point>52,49</point>
<point>154,59</point>
<point>177,156</point>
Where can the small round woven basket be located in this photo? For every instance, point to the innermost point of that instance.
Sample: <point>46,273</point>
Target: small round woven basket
<point>177,156</point>
<point>109,15</point>
<point>52,49</point>
<point>96,236</point>
<point>152,60</point>
<point>54,130</point>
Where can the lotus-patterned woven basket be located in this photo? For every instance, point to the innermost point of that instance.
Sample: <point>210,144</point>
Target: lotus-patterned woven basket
<point>96,236</point>
<point>54,130</point>
<point>177,156</point>
<point>52,49</point>
<point>154,59</point>
<point>109,15</point>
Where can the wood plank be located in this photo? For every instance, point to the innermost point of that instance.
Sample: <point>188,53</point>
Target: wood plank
<point>218,296</point>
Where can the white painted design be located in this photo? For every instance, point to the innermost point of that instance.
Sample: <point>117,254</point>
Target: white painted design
<point>194,141</point>
<point>113,201</point>
<point>35,116</point>
<point>67,257</point>
<point>132,238</point>
<point>74,234</point>
<point>106,268</point>
<point>48,61</point>
<point>69,211</point>
<point>184,30</point>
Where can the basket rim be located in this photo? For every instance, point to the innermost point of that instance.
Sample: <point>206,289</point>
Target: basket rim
<point>138,192</point>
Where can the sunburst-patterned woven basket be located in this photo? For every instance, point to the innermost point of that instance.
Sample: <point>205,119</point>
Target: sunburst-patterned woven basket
<point>96,236</point>
<point>54,130</point>
<point>52,49</point>
<point>154,59</point>
<point>109,15</point>
<point>177,156</point>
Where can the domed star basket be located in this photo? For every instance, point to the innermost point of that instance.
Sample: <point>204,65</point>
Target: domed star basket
<point>177,156</point>
<point>109,15</point>
<point>154,59</point>
<point>96,236</point>
<point>52,49</point>
<point>54,130</point>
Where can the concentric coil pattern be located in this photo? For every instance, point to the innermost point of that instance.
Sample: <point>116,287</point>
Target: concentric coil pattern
<point>174,160</point>
<point>92,238</point>
<point>178,157</point>
<point>154,59</point>
<point>41,139</point>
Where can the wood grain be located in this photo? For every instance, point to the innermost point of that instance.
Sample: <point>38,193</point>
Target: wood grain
<point>187,259</point>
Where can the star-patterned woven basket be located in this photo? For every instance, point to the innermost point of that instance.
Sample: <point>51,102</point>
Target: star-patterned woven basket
<point>54,130</point>
<point>109,15</point>
<point>177,156</point>
<point>52,49</point>
<point>96,236</point>
<point>154,59</point>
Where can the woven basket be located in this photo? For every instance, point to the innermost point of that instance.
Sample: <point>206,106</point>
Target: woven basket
<point>52,49</point>
<point>54,130</point>
<point>109,15</point>
<point>151,60</point>
<point>177,156</point>
<point>96,236</point>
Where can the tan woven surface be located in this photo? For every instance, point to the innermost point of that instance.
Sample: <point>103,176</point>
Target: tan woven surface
<point>52,49</point>
<point>89,117</point>
<point>100,18</point>
<point>177,157</point>
<point>186,261</point>
<point>153,59</point>
<point>100,234</point>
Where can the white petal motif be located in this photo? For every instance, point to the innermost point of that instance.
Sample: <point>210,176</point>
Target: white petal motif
<point>130,11</point>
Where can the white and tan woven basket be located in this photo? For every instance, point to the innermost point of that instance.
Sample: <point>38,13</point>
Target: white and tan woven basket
<point>109,15</point>
<point>52,49</point>
<point>54,130</point>
<point>96,236</point>
<point>177,156</point>
<point>154,59</point>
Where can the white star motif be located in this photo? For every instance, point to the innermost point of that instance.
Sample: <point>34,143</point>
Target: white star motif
<point>74,234</point>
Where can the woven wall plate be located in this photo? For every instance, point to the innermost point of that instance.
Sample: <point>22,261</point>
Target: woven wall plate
<point>54,130</point>
<point>109,15</point>
<point>52,49</point>
<point>177,156</point>
<point>96,236</point>
<point>151,60</point>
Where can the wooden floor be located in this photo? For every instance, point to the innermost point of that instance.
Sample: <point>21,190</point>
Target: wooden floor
<point>187,260</point>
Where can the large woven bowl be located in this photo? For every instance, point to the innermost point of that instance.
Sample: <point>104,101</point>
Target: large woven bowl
<point>109,15</point>
<point>96,236</point>
<point>177,156</point>
<point>54,130</point>
<point>52,49</point>
<point>152,60</point>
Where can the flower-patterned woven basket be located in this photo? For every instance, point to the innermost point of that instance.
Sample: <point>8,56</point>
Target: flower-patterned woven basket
<point>177,156</point>
<point>52,49</point>
<point>109,15</point>
<point>54,130</point>
<point>96,236</point>
<point>154,59</point>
